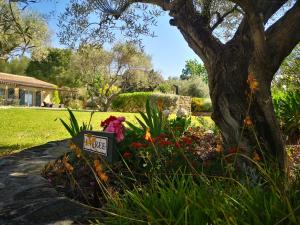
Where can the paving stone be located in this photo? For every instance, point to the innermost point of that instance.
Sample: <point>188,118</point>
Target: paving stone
<point>26,198</point>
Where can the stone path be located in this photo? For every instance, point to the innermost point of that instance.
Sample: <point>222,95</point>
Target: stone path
<point>26,198</point>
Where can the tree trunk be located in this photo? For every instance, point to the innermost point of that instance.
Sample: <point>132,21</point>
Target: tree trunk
<point>246,118</point>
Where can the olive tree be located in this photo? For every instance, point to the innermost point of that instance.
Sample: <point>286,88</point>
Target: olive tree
<point>21,31</point>
<point>242,43</point>
<point>105,73</point>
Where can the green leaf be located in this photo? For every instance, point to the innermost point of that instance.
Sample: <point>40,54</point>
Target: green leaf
<point>68,128</point>
<point>141,123</point>
<point>74,122</point>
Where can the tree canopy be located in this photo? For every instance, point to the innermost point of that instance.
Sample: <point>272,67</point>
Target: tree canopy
<point>53,68</point>
<point>105,74</point>
<point>21,31</point>
<point>15,66</point>
<point>288,76</point>
<point>194,69</point>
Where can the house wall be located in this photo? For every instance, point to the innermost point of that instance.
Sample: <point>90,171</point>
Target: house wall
<point>46,95</point>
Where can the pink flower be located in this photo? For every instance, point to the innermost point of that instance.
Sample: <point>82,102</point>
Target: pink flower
<point>121,119</point>
<point>106,122</point>
<point>115,126</point>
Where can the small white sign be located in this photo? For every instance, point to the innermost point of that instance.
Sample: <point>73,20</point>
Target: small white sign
<point>95,144</point>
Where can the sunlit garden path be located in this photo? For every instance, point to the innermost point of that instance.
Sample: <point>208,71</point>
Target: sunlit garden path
<point>27,197</point>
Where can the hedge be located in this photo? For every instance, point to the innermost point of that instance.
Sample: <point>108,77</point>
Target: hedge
<point>201,105</point>
<point>134,102</point>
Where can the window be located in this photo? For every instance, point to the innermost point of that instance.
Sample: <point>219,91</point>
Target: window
<point>11,93</point>
<point>2,92</point>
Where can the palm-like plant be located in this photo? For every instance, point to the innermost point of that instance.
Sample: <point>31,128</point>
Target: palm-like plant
<point>73,128</point>
<point>152,119</point>
<point>287,109</point>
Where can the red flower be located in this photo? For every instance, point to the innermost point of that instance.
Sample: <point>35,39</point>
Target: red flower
<point>136,145</point>
<point>106,122</point>
<point>177,144</point>
<point>186,140</point>
<point>127,155</point>
<point>232,150</point>
<point>164,142</point>
<point>162,135</point>
<point>194,137</point>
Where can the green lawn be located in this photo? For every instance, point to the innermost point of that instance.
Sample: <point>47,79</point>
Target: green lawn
<point>23,128</point>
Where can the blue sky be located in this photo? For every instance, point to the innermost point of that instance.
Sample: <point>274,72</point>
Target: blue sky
<point>169,50</point>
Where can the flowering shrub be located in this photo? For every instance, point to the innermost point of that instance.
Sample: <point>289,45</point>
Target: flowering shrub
<point>160,146</point>
<point>114,124</point>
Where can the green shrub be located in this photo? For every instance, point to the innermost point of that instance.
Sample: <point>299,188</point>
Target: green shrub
<point>201,105</point>
<point>75,104</point>
<point>194,87</point>
<point>56,99</point>
<point>134,102</point>
<point>287,109</point>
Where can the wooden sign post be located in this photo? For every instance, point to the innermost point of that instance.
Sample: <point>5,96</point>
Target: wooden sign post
<point>101,143</point>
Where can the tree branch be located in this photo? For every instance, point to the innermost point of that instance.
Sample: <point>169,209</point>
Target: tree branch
<point>266,8</point>
<point>284,35</point>
<point>195,29</point>
<point>220,18</point>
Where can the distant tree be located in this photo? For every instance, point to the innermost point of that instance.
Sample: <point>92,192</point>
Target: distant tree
<point>141,80</point>
<point>15,66</point>
<point>54,68</point>
<point>288,75</point>
<point>194,87</point>
<point>106,74</point>
<point>21,31</point>
<point>194,69</point>
<point>154,79</point>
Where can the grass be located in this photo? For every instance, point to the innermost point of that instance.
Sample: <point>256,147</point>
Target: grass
<point>23,128</point>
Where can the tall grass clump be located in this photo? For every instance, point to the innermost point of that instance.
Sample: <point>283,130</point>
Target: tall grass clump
<point>189,199</point>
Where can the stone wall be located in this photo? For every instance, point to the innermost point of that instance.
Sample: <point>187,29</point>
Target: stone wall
<point>185,103</point>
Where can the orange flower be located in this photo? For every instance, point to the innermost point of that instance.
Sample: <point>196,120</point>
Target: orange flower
<point>72,146</point>
<point>67,165</point>
<point>256,156</point>
<point>219,148</point>
<point>77,152</point>
<point>103,176</point>
<point>252,82</point>
<point>247,121</point>
<point>148,135</point>
<point>97,166</point>
<point>160,104</point>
